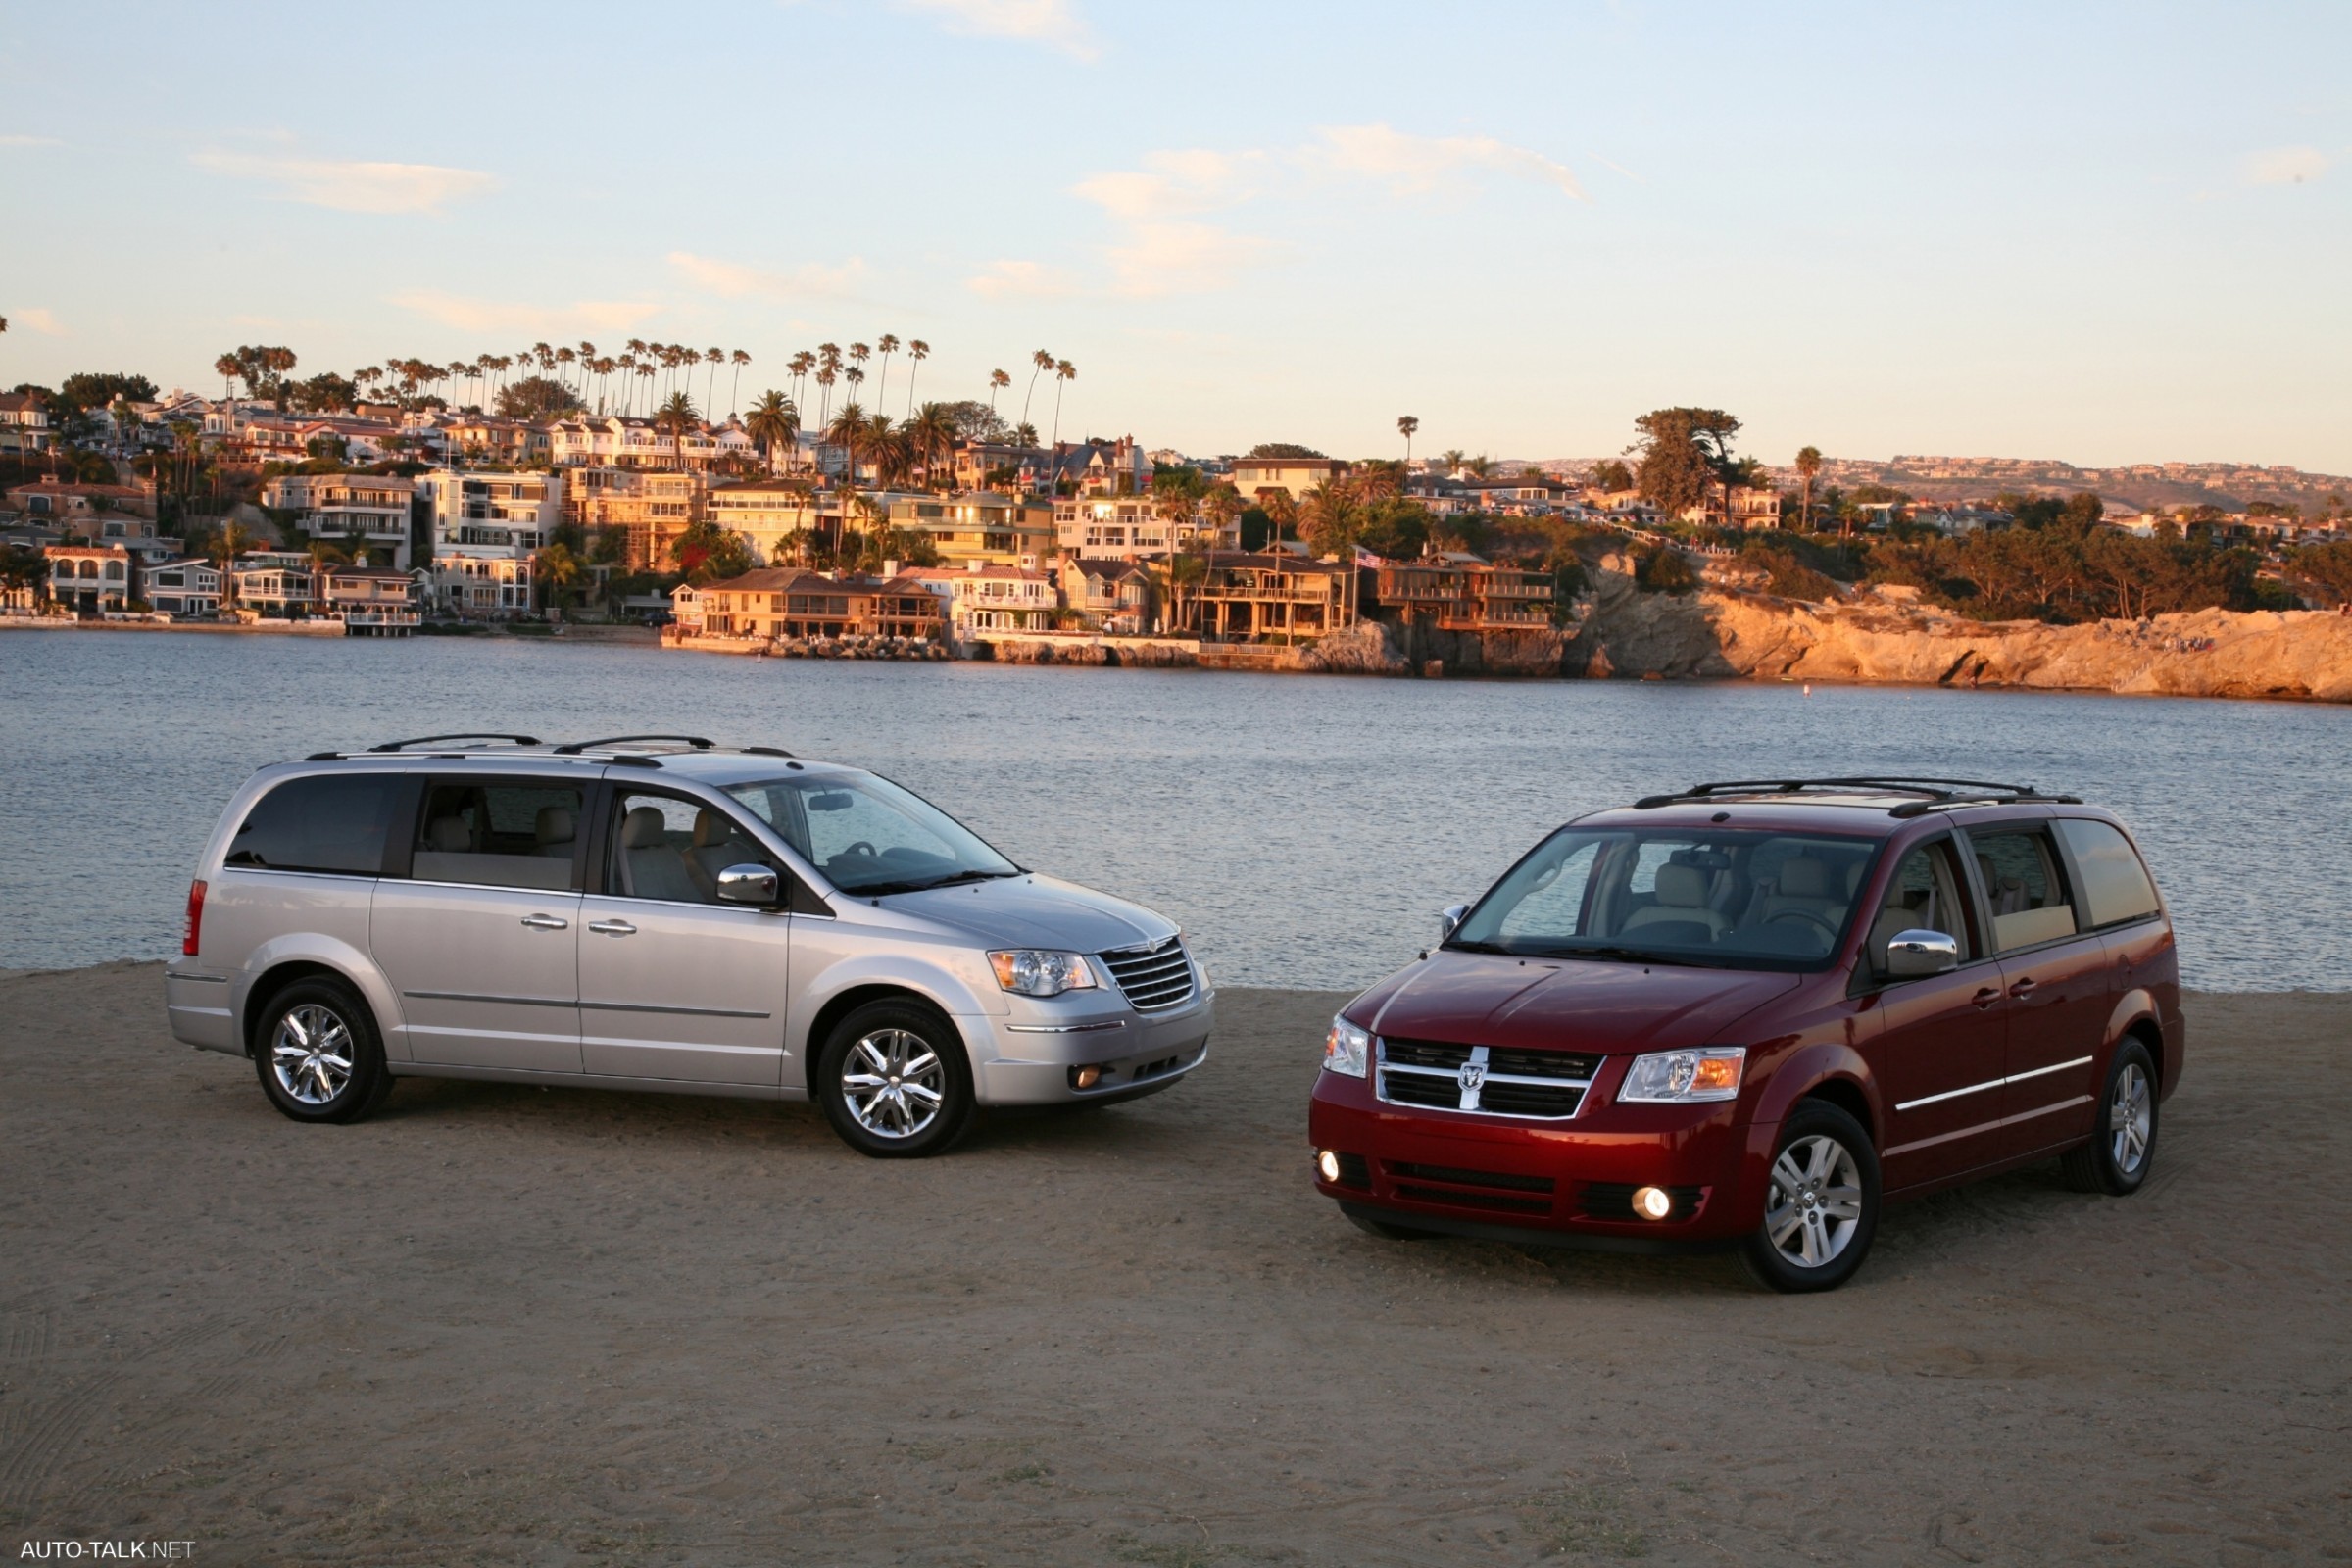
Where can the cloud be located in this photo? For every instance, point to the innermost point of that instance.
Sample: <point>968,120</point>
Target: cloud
<point>2287,165</point>
<point>814,280</point>
<point>490,315</point>
<point>1191,180</point>
<point>1181,258</point>
<point>1410,164</point>
<point>30,141</point>
<point>353,187</point>
<point>38,320</point>
<point>1055,23</point>
<point>1016,279</point>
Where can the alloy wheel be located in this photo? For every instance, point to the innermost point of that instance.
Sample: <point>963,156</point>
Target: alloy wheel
<point>2131,1119</point>
<point>1815,1204</point>
<point>311,1053</point>
<point>893,1082</point>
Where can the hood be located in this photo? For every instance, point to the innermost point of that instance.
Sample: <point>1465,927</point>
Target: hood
<point>1476,999</point>
<point>1036,911</point>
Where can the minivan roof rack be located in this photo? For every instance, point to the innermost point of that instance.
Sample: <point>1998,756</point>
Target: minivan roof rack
<point>462,735</point>
<point>575,748</point>
<point>1932,793</point>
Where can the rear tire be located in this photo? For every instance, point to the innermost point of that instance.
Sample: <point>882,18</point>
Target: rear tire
<point>894,1081</point>
<point>2123,1146</point>
<point>319,1054</point>
<point>1821,1203</point>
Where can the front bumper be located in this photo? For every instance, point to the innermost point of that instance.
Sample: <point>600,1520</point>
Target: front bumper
<point>1520,1179</point>
<point>1032,1052</point>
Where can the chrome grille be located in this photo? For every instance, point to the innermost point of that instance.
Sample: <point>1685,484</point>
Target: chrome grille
<point>1541,1084</point>
<point>1154,978</point>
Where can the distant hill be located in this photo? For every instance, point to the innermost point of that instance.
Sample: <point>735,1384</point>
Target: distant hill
<point>2228,485</point>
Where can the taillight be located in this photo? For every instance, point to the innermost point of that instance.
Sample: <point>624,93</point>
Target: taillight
<point>195,931</point>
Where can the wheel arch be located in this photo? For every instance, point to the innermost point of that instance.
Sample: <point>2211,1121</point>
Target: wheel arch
<point>848,999</point>
<point>2136,1018</point>
<point>270,982</point>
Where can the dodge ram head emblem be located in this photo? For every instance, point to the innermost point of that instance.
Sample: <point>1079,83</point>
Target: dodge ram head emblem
<point>1473,1074</point>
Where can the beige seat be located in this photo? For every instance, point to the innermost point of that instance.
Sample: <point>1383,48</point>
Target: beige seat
<point>1682,898</point>
<point>2007,893</point>
<point>554,829</point>
<point>716,847</point>
<point>1806,884</point>
<point>449,835</point>
<point>649,868</point>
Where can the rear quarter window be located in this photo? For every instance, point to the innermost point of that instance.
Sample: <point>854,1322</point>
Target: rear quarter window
<point>333,822</point>
<point>2115,884</point>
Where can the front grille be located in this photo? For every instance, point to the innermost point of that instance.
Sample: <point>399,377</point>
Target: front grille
<point>1615,1200</point>
<point>1154,978</point>
<point>1541,1084</point>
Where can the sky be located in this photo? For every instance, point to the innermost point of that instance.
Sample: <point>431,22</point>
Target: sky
<point>2102,233</point>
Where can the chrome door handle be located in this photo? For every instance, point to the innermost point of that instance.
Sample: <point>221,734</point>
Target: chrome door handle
<point>1985,997</point>
<point>545,922</point>
<point>2022,989</point>
<point>613,928</point>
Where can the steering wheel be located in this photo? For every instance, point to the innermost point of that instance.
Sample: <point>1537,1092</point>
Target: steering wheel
<point>1828,930</point>
<point>861,848</point>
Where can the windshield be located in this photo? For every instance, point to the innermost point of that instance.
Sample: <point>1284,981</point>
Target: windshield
<point>869,836</point>
<point>1728,898</point>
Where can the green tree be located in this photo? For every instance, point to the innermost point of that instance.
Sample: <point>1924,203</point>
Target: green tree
<point>1808,470</point>
<point>774,423</point>
<point>557,571</point>
<point>1283,448</point>
<point>1685,452</point>
<point>677,415</point>
<point>537,398</point>
<point>1408,424</point>
<point>1613,476</point>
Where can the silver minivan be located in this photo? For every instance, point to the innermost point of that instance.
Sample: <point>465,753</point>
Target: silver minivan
<point>659,912</point>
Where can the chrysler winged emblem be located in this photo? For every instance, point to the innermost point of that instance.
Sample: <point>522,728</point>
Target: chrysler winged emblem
<point>1473,1074</point>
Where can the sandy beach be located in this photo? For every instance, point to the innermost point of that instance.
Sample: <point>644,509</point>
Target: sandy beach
<point>513,1326</point>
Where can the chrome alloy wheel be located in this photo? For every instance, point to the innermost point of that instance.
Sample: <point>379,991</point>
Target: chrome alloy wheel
<point>311,1053</point>
<point>1815,1204</point>
<point>893,1082</point>
<point>2130,1120</point>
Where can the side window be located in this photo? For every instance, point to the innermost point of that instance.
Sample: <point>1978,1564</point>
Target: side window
<point>503,834</point>
<point>664,847</point>
<point>335,822</point>
<point>2115,884</point>
<point>1926,896</point>
<point>2025,887</point>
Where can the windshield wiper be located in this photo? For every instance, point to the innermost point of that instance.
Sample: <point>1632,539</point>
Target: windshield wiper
<point>1624,955</point>
<point>873,890</point>
<point>1471,944</point>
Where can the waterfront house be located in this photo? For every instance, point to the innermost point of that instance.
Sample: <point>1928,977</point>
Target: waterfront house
<point>1460,591</point>
<point>1113,527</point>
<point>486,527</point>
<point>92,577</point>
<point>376,598</point>
<point>274,582</point>
<point>686,610</point>
<point>789,602</point>
<point>649,508</point>
<point>1257,477</point>
<point>1272,596</point>
<point>775,519</point>
<point>357,511</point>
<point>979,597</point>
<point>984,526</point>
<point>1114,596</point>
<point>184,586</point>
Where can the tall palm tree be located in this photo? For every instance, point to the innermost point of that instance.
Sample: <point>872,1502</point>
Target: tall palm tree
<point>228,369</point>
<point>918,351</point>
<point>1280,510</point>
<point>739,360</point>
<point>1452,457</point>
<point>1064,373</point>
<point>932,430</point>
<point>800,364</point>
<point>677,415</point>
<point>848,432</point>
<point>1222,506</point>
<point>775,421</point>
<point>829,370</point>
<point>1408,424</point>
<point>1040,362</point>
<point>1808,469</point>
<point>859,354</point>
<point>893,453</point>
<point>228,544</point>
<point>646,370</point>
<point>886,345</point>
<point>855,377</point>
<point>712,358</point>
<point>997,382</point>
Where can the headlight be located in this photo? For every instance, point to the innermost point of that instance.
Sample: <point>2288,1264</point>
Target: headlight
<point>1711,1073</point>
<point>1347,1048</point>
<point>1033,972</point>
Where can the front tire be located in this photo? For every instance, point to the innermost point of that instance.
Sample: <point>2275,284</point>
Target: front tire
<point>318,1055</point>
<point>895,1082</point>
<point>2123,1146</point>
<point>1821,1204</point>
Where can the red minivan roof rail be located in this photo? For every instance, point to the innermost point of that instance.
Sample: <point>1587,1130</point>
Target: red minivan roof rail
<point>1929,794</point>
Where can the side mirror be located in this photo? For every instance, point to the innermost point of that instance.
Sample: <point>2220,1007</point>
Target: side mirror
<point>748,884</point>
<point>1449,919</point>
<point>1910,955</point>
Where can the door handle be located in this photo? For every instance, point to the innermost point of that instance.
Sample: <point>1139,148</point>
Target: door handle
<point>613,928</point>
<point>2022,989</point>
<point>1986,995</point>
<point>545,922</point>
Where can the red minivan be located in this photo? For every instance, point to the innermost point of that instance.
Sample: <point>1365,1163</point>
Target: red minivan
<point>1746,1015</point>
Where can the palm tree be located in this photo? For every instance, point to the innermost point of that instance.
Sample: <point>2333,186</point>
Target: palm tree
<point>1451,457</point>
<point>997,382</point>
<point>891,450</point>
<point>1175,498</point>
<point>1280,510</point>
<point>1063,373</point>
<point>1222,506</point>
<point>739,360</point>
<point>1808,469</point>
<point>557,568</point>
<point>932,430</point>
<point>228,370</point>
<point>1408,424</point>
<point>675,416</point>
<point>918,351</point>
<point>824,388</point>
<point>1186,568</point>
<point>713,358</point>
<point>887,344</point>
<point>1024,434</point>
<point>847,432</point>
<point>228,544</point>
<point>859,354</point>
<point>774,423</point>
<point>828,368</point>
<point>645,373</point>
<point>1039,362</point>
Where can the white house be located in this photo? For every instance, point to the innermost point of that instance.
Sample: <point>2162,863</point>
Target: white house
<point>363,512</point>
<point>988,597</point>
<point>486,527</point>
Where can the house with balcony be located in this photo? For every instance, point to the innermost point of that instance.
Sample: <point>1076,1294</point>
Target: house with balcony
<point>1114,596</point>
<point>978,596</point>
<point>1272,596</point>
<point>1113,527</point>
<point>92,577</point>
<point>1257,477</point>
<point>649,508</point>
<point>790,602</point>
<point>776,519</point>
<point>978,526</point>
<point>372,601</point>
<point>1456,591</point>
<point>23,424</point>
<point>491,438</point>
<point>486,527</point>
<point>359,511</point>
<point>274,583</point>
<point>618,441</point>
<point>1751,507</point>
<point>186,586</point>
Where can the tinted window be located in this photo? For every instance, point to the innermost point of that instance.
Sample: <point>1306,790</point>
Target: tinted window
<point>671,849</point>
<point>332,823</point>
<point>508,835</point>
<point>2024,886</point>
<point>2115,885</point>
<point>1926,897</point>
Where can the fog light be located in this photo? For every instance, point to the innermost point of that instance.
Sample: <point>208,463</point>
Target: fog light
<point>1085,1077</point>
<point>1329,1164</point>
<point>1652,1203</point>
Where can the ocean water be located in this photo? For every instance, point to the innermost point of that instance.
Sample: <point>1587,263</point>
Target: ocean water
<point>1304,829</point>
